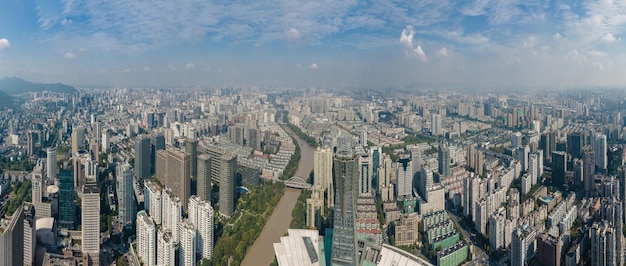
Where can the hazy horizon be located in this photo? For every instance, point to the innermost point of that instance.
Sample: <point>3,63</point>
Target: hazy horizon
<point>328,44</point>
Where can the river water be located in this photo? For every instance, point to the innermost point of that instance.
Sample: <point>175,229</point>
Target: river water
<point>262,251</point>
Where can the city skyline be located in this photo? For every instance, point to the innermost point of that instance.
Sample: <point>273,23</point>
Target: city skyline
<point>437,44</point>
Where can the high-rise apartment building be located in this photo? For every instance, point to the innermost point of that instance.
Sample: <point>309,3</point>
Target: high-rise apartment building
<point>125,194</point>
<point>323,173</point>
<point>523,245</point>
<point>201,215</point>
<point>187,245</point>
<point>346,173</point>
<point>146,239</point>
<point>166,247</point>
<point>603,243</point>
<point>588,171</point>
<point>365,173</point>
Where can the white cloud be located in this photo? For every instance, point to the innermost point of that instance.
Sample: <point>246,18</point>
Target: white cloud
<point>557,36</point>
<point>4,43</point>
<point>69,55</point>
<point>406,38</point>
<point>292,35</point>
<point>442,52</point>
<point>313,66</point>
<point>190,66</point>
<point>597,53</point>
<point>609,38</point>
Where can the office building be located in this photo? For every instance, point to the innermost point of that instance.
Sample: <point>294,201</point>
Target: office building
<point>365,173</point>
<point>346,172</point>
<point>29,236</point>
<point>603,246</point>
<point>51,163</point>
<point>78,139</point>
<point>435,125</point>
<point>187,245</point>
<point>12,238</point>
<point>173,170</point>
<point>588,171</point>
<point>191,147</point>
<point>90,214</point>
<point>323,173</point>
<point>598,142</point>
<point>166,248</point>
<point>204,177</point>
<point>404,177</point>
<point>228,171</point>
<point>67,207</point>
<point>201,215</point>
<point>146,239</point>
<point>559,167</point>
<point>443,159</point>
<point>142,157</point>
<point>516,140</point>
<point>126,207</point>
<point>575,144</point>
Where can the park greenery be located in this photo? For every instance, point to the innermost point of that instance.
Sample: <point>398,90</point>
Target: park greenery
<point>292,165</point>
<point>309,140</point>
<point>20,192</point>
<point>298,214</point>
<point>16,165</point>
<point>239,232</point>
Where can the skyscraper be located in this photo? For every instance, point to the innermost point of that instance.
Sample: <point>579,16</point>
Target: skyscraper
<point>187,246</point>
<point>191,147</point>
<point>598,141</point>
<point>588,171</point>
<point>323,173</point>
<point>559,167</point>
<point>475,159</point>
<point>51,163</point>
<point>444,159</point>
<point>228,172</point>
<point>201,215</point>
<point>125,201</point>
<point>173,170</point>
<point>575,144</point>
<point>404,177</point>
<point>91,220</point>
<point>78,139</point>
<point>67,207</point>
<point>365,173</point>
<point>346,173</point>
<point>204,177</point>
<point>31,136</point>
<point>435,125</point>
<point>30,238</point>
<point>171,216</point>
<point>142,157</point>
<point>146,240</point>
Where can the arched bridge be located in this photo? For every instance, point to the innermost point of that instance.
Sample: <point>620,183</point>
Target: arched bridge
<point>297,182</point>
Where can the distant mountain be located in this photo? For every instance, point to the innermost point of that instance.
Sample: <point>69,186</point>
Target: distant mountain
<point>18,85</point>
<point>6,101</point>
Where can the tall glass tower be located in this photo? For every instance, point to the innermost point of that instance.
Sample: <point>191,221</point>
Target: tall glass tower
<point>346,175</point>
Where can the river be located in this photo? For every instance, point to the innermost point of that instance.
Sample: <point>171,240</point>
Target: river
<point>262,251</point>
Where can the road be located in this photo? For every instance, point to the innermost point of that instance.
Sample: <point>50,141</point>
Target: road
<point>262,251</point>
<point>480,256</point>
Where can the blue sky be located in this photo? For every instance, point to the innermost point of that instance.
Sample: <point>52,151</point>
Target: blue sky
<point>335,44</point>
